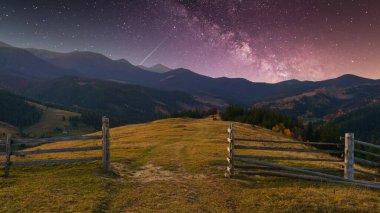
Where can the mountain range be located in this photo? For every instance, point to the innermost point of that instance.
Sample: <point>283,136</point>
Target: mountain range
<point>94,79</point>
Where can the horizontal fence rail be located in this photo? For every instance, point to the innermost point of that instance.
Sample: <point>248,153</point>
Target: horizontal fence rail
<point>288,149</point>
<point>38,141</point>
<point>367,153</point>
<point>43,162</point>
<point>288,158</point>
<point>367,144</point>
<point>270,168</point>
<point>35,152</point>
<point>366,173</point>
<point>367,162</point>
<point>345,158</point>
<point>293,169</point>
<point>34,142</point>
<point>287,142</point>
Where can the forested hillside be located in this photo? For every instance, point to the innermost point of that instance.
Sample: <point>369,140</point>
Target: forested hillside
<point>280,122</point>
<point>364,122</point>
<point>123,103</point>
<point>16,111</point>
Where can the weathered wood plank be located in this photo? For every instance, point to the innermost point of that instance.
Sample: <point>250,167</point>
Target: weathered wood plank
<point>367,173</point>
<point>349,156</point>
<point>42,162</point>
<point>367,162</point>
<point>37,141</point>
<point>367,144</point>
<point>308,177</point>
<point>35,152</point>
<point>8,151</point>
<point>228,160</point>
<point>287,149</point>
<point>270,168</point>
<point>367,153</point>
<point>287,158</point>
<point>106,146</point>
<point>230,149</point>
<point>287,142</point>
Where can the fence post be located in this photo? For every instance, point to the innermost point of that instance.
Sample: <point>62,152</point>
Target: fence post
<point>231,151</point>
<point>8,150</point>
<point>349,145</point>
<point>106,155</point>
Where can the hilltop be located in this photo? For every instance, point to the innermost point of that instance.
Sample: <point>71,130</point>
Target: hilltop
<point>174,165</point>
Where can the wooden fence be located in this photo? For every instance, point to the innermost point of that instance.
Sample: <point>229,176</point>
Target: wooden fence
<point>259,165</point>
<point>9,141</point>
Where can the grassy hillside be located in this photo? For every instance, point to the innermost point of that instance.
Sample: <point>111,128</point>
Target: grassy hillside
<point>173,165</point>
<point>19,116</point>
<point>54,122</point>
<point>6,128</point>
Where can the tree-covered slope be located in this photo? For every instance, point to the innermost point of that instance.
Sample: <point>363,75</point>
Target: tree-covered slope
<point>326,103</point>
<point>364,122</point>
<point>122,102</point>
<point>16,111</point>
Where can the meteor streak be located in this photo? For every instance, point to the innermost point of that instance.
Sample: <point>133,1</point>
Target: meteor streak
<point>153,51</point>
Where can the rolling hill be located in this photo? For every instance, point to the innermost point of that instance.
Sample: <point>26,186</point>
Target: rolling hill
<point>326,103</point>
<point>122,102</point>
<point>175,165</point>
<point>55,122</point>
<point>25,117</point>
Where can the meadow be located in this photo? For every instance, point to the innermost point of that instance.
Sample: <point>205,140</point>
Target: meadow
<point>171,165</point>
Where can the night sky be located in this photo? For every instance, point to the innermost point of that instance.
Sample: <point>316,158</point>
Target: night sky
<point>261,40</point>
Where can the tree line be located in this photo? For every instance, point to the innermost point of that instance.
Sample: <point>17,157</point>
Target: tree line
<point>277,121</point>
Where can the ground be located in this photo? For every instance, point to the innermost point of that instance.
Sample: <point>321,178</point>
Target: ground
<point>172,165</point>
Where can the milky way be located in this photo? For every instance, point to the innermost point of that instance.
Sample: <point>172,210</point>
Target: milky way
<point>261,40</point>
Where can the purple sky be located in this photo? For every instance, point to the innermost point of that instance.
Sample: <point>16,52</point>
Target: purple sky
<point>261,40</point>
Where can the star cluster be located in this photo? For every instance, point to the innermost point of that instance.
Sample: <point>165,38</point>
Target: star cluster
<point>261,40</point>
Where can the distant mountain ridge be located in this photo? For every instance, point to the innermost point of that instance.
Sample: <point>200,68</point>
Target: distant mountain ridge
<point>44,65</point>
<point>158,68</point>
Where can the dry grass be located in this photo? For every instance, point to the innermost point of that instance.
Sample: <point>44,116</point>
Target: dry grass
<point>6,128</point>
<point>173,165</point>
<point>51,123</point>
